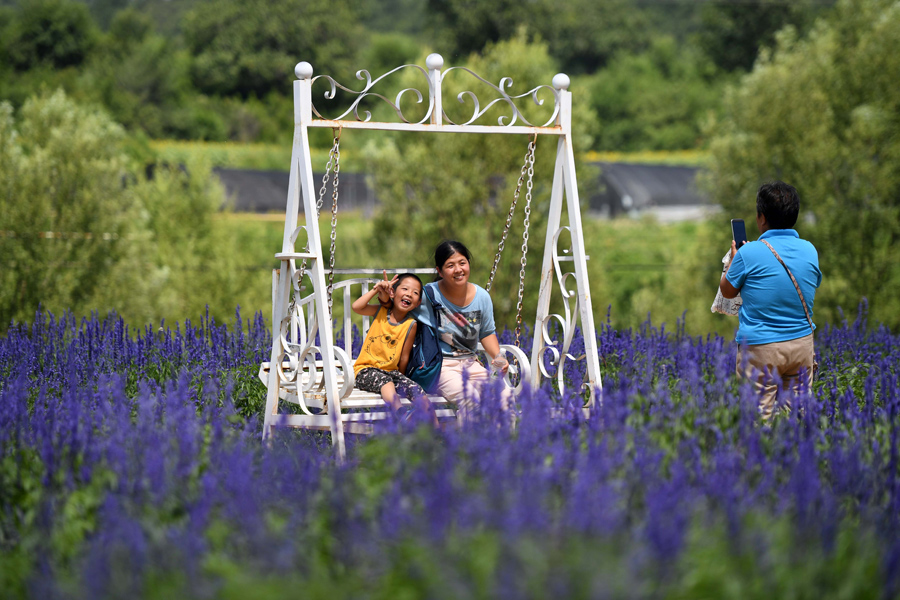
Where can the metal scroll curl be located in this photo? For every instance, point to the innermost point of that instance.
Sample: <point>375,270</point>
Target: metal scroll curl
<point>299,373</point>
<point>551,355</point>
<point>361,114</point>
<point>519,369</point>
<point>504,99</point>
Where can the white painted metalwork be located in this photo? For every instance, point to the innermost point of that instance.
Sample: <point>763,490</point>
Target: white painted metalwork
<point>316,375</point>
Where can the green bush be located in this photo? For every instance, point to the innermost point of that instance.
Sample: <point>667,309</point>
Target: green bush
<point>84,228</point>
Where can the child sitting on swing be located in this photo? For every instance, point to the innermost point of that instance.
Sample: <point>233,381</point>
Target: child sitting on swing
<point>385,351</point>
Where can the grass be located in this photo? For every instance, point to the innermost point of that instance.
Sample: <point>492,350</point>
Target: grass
<point>685,158</point>
<point>277,157</point>
<point>261,157</point>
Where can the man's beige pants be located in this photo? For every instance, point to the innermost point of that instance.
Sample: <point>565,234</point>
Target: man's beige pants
<point>759,364</point>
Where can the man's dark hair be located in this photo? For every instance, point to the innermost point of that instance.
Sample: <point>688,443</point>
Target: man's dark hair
<point>780,204</point>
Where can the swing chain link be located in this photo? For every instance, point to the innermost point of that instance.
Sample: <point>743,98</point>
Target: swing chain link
<point>529,161</point>
<point>529,158</point>
<point>333,163</point>
<point>334,209</point>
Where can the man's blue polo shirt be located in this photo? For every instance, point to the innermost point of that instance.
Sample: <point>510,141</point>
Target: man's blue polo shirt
<point>771,309</point>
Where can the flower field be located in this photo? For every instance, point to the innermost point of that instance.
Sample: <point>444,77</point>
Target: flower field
<point>131,466</point>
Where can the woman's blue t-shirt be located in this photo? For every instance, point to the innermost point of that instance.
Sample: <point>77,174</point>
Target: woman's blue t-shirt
<point>771,309</point>
<point>460,328</point>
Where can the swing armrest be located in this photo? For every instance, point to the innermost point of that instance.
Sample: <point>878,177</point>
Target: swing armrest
<point>523,368</point>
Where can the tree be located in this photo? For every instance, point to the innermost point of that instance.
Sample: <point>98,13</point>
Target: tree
<point>250,47</point>
<point>732,33</point>
<point>83,229</point>
<point>821,113</point>
<point>582,35</point>
<point>144,81</point>
<point>62,211</point>
<point>656,100</point>
<point>52,33</point>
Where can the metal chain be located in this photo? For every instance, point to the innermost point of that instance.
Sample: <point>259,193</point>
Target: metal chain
<point>529,156</point>
<point>333,160</point>
<point>524,260</point>
<point>334,209</point>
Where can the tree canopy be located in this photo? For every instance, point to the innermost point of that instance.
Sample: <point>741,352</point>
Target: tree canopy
<point>732,33</point>
<point>49,33</point>
<point>83,228</point>
<point>250,47</point>
<point>221,69</point>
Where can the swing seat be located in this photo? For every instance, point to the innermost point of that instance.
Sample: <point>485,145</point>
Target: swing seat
<point>301,381</point>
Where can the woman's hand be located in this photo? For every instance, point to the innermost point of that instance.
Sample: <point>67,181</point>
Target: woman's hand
<point>491,345</point>
<point>500,364</point>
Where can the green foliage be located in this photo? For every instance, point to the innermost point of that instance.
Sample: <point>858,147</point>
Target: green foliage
<point>388,51</point>
<point>221,69</point>
<point>395,16</point>
<point>145,84</point>
<point>586,34</point>
<point>580,34</point>
<point>640,269</point>
<point>655,100</point>
<point>55,33</point>
<point>63,213</point>
<point>129,26</point>
<point>714,566</point>
<point>821,114</point>
<point>732,33</point>
<point>82,229</point>
<point>187,269</point>
<point>250,47</point>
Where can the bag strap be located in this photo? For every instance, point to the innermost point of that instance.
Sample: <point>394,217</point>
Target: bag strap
<point>796,285</point>
<point>435,305</point>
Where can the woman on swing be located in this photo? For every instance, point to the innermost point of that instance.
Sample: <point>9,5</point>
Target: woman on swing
<point>466,318</point>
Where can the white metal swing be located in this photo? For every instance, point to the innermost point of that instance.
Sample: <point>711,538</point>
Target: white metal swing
<point>316,375</point>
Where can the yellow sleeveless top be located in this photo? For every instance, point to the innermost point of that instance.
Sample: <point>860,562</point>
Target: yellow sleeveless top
<point>383,344</point>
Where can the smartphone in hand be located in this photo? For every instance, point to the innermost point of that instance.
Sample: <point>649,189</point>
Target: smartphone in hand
<point>738,232</point>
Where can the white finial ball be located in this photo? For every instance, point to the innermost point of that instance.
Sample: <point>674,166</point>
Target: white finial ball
<point>303,70</point>
<point>561,81</point>
<point>434,61</point>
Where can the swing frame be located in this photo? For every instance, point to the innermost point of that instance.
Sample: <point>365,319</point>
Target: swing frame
<point>292,354</point>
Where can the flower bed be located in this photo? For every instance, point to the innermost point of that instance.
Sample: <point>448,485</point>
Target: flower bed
<point>131,466</point>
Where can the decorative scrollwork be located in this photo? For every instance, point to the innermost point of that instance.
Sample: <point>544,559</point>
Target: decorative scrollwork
<point>519,368</point>
<point>505,98</point>
<point>367,92</point>
<point>550,354</point>
<point>300,375</point>
<point>433,86</point>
